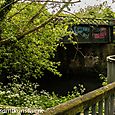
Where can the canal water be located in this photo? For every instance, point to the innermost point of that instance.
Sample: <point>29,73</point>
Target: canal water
<point>63,85</point>
<point>75,70</point>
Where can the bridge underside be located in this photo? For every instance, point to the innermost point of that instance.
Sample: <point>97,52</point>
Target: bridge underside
<point>80,64</point>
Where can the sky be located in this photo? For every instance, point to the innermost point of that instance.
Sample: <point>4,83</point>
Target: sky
<point>85,3</point>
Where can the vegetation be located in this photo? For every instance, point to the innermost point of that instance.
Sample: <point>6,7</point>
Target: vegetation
<point>102,11</point>
<point>29,36</point>
<point>13,95</point>
<point>29,56</point>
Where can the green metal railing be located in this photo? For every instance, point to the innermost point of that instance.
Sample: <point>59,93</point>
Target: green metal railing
<point>97,102</point>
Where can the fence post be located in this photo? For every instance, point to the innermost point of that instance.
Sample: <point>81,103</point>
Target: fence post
<point>111,68</point>
<point>110,78</point>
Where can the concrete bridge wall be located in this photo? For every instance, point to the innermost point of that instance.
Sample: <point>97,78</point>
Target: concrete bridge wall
<point>84,57</point>
<point>80,64</point>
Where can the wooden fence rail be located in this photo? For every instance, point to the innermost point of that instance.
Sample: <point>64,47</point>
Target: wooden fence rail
<point>97,102</point>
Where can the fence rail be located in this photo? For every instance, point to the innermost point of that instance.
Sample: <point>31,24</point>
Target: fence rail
<point>97,102</point>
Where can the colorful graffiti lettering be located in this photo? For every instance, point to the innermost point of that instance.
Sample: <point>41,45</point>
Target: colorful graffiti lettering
<point>100,33</point>
<point>82,31</point>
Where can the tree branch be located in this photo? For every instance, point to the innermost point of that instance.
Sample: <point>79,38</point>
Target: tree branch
<point>18,11</point>
<point>44,23</point>
<point>6,7</point>
<point>54,1</point>
<point>38,13</point>
<point>6,41</point>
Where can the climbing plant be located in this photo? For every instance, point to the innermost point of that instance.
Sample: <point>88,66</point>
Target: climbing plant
<point>102,11</point>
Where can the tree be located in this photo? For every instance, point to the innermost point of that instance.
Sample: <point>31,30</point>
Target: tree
<point>102,11</point>
<point>29,37</point>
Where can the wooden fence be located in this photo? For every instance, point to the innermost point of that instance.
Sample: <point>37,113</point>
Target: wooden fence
<point>97,102</point>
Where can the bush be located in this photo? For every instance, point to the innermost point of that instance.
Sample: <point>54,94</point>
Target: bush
<point>21,95</point>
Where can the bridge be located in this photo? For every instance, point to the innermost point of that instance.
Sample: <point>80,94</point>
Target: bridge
<point>91,30</point>
<point>94,41</point>
<point>99,101</point>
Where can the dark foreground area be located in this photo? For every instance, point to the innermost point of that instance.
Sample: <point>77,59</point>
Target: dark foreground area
<point>63,85</point>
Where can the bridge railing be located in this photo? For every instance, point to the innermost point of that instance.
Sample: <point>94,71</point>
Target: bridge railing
<point>97,102</point>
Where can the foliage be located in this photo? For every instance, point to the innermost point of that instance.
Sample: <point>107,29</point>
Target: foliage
<point>29,35</point>
<point>29,57</point>
<point>15,95</point>
<point>104,79</point>
<point>97,11</point>
<point>24,59</point>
